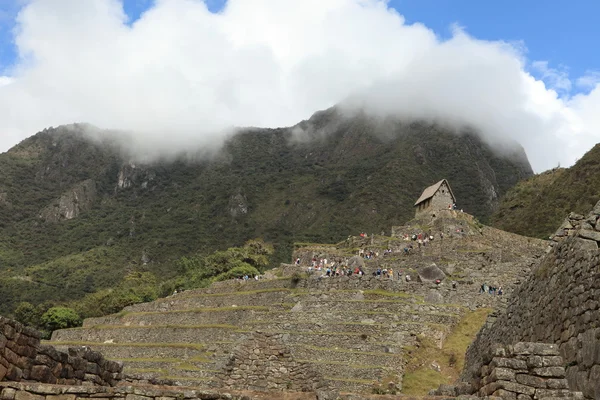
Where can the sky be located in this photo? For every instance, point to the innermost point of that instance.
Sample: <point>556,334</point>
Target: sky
<point>178,74</point>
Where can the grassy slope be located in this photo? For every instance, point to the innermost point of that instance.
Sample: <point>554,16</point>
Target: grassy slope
<point>363,176</point>
<point>537,206</point>
<point>420,377</point>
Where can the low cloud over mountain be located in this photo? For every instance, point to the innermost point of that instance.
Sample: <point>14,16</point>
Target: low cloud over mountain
<point>180,77</point>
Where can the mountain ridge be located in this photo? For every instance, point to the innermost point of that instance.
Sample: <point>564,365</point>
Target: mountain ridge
<point>353,174</point>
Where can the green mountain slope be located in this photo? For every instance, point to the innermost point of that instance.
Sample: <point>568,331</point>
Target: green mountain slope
<point>76,216</point>
<point>537,206</point>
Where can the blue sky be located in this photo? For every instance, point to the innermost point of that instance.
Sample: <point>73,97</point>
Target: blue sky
<point>562,33</point>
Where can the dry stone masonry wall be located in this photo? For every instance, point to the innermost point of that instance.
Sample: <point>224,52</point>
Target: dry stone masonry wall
<point>37,391</point>
<point>23,358</point>
<point>525,371</point>
<point>559,304</point>
<point>263,363</point>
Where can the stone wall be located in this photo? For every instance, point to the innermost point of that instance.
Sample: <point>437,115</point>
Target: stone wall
<point>23,358</point>
<point>559,303</point>
<point>38,391</point>
<point>525,371</point>
<point>261,362</point>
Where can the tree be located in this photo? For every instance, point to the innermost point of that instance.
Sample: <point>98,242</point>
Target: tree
<point>60,318</point>
<point>27,314</point>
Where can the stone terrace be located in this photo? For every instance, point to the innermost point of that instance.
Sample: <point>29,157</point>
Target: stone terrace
<point>351,337</point>
<point>349,330</point>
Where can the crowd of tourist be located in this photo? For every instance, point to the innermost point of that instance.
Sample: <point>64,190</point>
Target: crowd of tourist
<point>493,290</point>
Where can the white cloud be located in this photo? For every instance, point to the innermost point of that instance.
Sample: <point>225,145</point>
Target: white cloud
<point>590,80</point>
<point>556,79</point>
<point>180,75</point>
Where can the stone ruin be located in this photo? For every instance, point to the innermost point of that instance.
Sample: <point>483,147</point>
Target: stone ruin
<point>23,358</point>
<point>262,362</point>
<point>558,304</point>
<point>526,371</point>
<point>523,371</point>
<point>586,228</point>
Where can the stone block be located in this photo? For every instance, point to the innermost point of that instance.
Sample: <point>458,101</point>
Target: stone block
<point>516,387</point>
<point>549,372</point>
<point>545,393</point>
<point>502,374</point>
<point>533,381</point>
<point>557,384</point>
<point>8,394</point>
<point>505,394</point>
<point>535,362</point>
<point>14,374</point>
<point>23,395</point>
<point>524,397</point>
<point>3,371</point>
<point>533,348</point>
<point>511,363</point>
<point>589,234</point>
<point>61,397</point>
<point>552,361</point>
<point>40,373</point>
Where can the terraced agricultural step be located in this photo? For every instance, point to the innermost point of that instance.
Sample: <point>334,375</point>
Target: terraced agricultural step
<point>348,385</point>
<point>115,351</point>
<point>343,355</point>
<point>187,301</point>
<point>379,305</point>
<point>149,334</point>
<point>201,316</point>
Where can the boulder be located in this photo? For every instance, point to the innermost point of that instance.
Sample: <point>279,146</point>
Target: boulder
<point>434,297</point>
<point>356,261</point>
<point>590,234</point>
<point>596,209</point>
<point>430,273</point>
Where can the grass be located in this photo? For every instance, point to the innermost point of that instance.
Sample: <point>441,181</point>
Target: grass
<point>380,292</point>
<point>168,326</point>
<point>420,377</point>
<point>347,351</point>
<point>164,360</point>
<point>354,366</point>
<point>194,310</point>
<point>350,380</point>
<point>194,346</point>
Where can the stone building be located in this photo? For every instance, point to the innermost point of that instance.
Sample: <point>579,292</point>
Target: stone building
<point>435,198</point>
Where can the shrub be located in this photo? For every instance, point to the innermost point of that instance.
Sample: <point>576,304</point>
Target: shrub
<point>60,318</point>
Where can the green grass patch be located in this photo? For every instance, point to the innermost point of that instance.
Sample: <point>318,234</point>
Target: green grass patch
<point>420,377</point>
<point>195,346</point>
<point>353,366</point>
<point>348,351</point>
<point>197,310</point>
<point>350,380</point>
<point>167,326</point>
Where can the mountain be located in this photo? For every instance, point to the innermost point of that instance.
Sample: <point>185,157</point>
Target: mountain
<point>78,215</point>
<point>537,206</point>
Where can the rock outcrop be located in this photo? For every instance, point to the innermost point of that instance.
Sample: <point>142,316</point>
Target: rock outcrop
<point>72,203</point>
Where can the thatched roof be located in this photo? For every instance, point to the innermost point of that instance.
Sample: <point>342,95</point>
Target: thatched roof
<point>430,191</point>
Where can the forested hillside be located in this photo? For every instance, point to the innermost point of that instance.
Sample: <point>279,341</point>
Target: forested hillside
<point>77,216</point>
<point>537,206</point>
